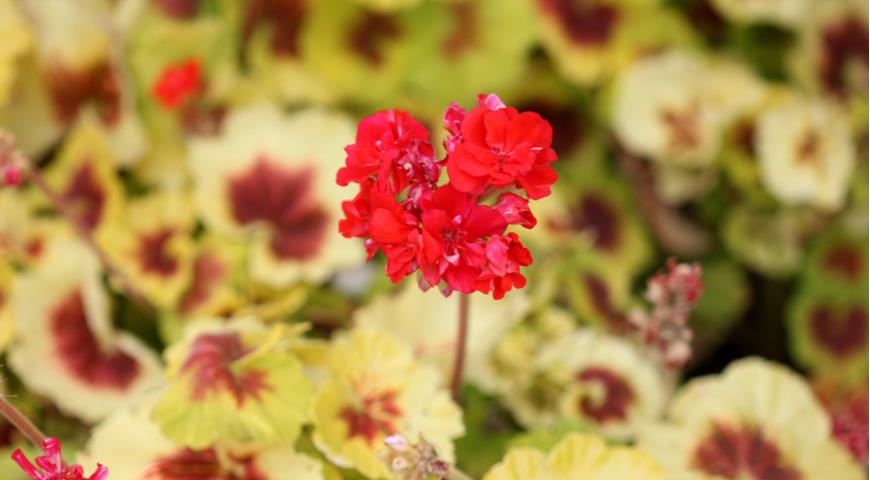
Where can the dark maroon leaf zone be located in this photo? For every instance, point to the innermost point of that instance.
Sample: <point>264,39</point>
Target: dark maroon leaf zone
<point>208,271</point>
<point>71,90</point>
<point>284,18</point>
<point>80,352</point>
<point>566,120</point>
<point>849,423</point>
<point>744,137</point>
<point>84,195</point>
<point>846,260</point>
<point>596,216</point>
<point>844,48</point>
<point>683,126</point>
<point>209,366</point>
<point>153,257</point>
<point>377,415</point>
<point>599,295</point>
<point>741,452</point>
<point>285,201</point>
<point>370,33</point>
<point>617,397</point>
<point>464,31</point>
<point>178,9</point>
<point>706,19</point>
<point>841,333</point>
<point>187,464</point>
<point>586,22</point>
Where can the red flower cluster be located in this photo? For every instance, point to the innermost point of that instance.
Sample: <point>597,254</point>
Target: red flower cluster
<point>51,466</point>
<point>453,234</point>
<point>178,83</point>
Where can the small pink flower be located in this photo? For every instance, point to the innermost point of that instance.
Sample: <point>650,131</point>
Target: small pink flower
<point>672,295</point>
<point>12,162</point>
<point>51,466</point>
<point>12,176</point>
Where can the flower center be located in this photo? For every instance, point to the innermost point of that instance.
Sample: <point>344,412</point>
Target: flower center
<point>608,397</point>
<point>376,415</point>
<point>584,21</point>
<point>808,150</point>
<point>71,90</point>
<point>738,452</point>
<point>153,256</point>
<point>84,195</point>
<point>178,9</point>
<point>187,464</point>
<point>209,363</point>
<point>597,217</point>
<point>284,17</point>
<point>208,271</point>
<point>599,294</point>
<point>284,201</point>
<point>80,352</point>
<point>843,62</point>
<point>464,32</point>
<point>841,333</point>
<point>845,260</point>
<point>683,128</point>
<point>369,35</point>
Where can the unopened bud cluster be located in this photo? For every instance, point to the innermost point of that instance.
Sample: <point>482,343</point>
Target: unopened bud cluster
<point>672,295</point>
<point>418,461</point>
<point>12,161</point>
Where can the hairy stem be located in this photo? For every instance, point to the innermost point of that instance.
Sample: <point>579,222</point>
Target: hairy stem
<point>457,474</point>
<point>21,422</point>
<point>111,268</point>
<point>459,352</point>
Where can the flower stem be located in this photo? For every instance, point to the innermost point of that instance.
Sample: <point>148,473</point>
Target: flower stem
<point>21,422</point>
<point>459,353</point>
<point>457,474</point>
<point>111,268</point>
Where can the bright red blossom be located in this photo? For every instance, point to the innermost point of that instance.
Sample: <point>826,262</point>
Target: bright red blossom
<point>392,149</point>
<point>452,234</point>
<point>51,467</point>
<point>178,83</point>
<point>502,147</point>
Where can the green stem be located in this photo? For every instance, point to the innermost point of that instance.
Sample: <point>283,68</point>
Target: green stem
<point>457,474</point>
<point>21,422</point>
<point>459,352</point>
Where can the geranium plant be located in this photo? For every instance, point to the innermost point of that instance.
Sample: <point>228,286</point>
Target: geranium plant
<point>453,234</point>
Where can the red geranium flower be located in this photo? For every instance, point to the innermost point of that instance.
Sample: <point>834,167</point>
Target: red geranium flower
<point>51,467</point>
<point>502,147</point>
<point>392,149</point>
<point>178,83</point>
<point>460,227</point>
<point>515,209</point>
<point>452,234</point>
<point>505,255</point>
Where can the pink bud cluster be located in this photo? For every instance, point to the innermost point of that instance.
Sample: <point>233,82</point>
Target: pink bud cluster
<point>12,161</point>
<point>417,461</point>
<point>672,295</point>
<point>52,467</point>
